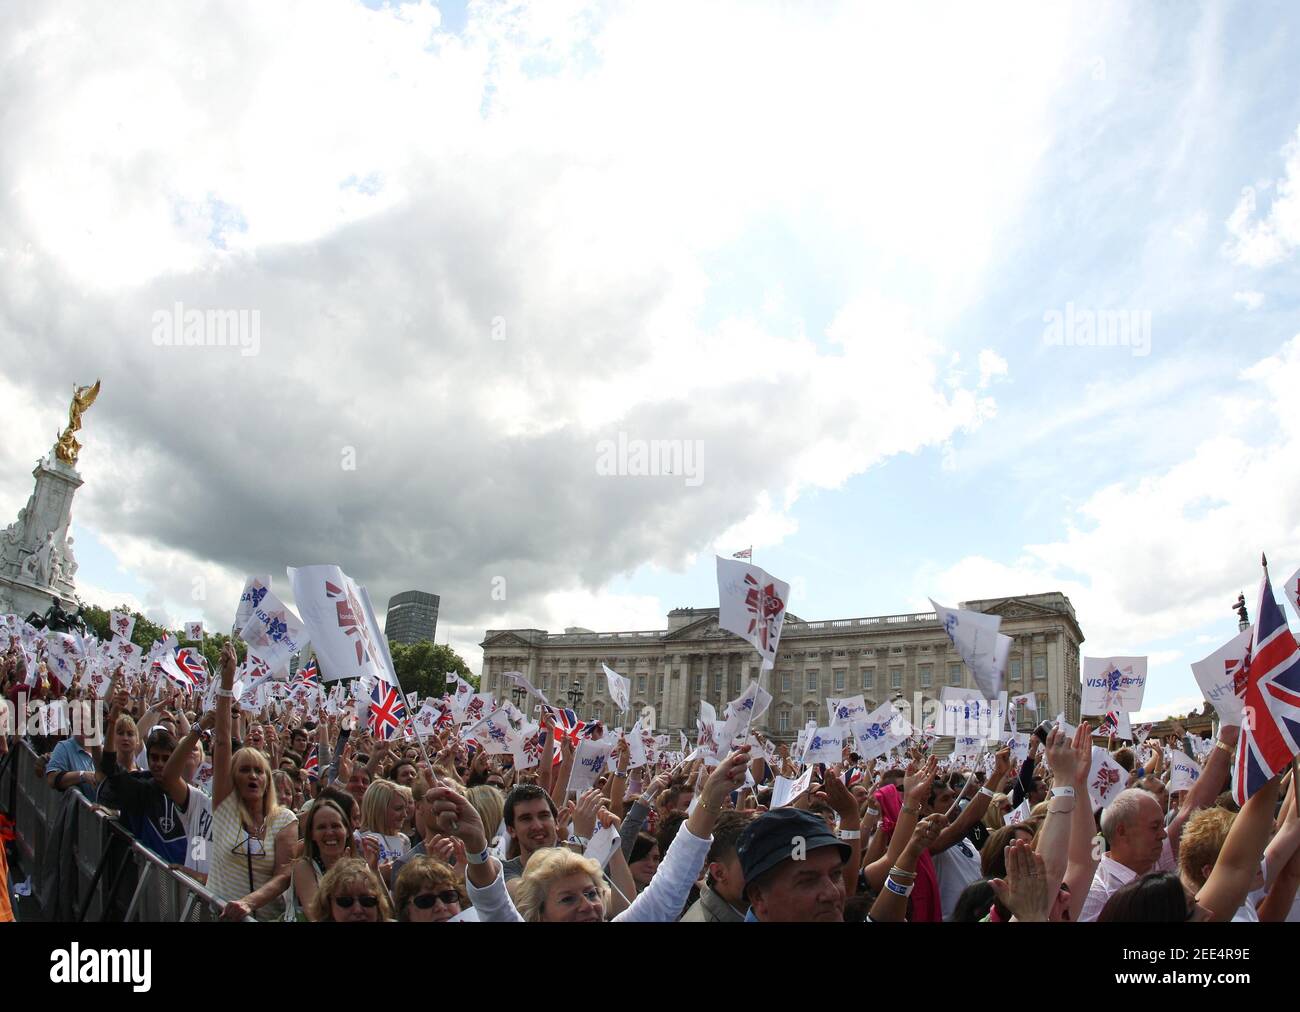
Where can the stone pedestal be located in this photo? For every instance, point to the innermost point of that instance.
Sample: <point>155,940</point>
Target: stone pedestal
<point>37,565</point>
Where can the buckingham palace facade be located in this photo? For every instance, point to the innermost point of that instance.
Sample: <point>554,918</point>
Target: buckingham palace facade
<point>883,658</point>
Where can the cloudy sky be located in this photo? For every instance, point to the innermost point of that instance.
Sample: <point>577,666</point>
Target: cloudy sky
<point>824,248</point>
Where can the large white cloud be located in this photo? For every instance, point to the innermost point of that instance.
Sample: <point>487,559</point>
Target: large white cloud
<point>578,182</point>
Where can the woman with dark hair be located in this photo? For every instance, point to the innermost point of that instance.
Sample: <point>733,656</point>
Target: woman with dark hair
<point>644,860</point>
<point>327,839</point>
<point>973,903</point>
<point>1158,898</point>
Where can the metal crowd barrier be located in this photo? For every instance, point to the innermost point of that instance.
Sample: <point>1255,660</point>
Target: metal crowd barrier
<point>114,877</point>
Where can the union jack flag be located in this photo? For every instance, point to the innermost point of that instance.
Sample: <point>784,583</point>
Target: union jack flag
<point>1268,684</point>
<point>310,672</point>
<point>311,764</point>
<point>387,711</point>
<point>192,665</point>
<point>567,724</point>
<point>748,553</point>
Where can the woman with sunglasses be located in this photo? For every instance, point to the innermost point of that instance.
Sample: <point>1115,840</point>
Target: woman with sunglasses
<point>350,892</point>
<point>428,890</point>
<point>253,837</point>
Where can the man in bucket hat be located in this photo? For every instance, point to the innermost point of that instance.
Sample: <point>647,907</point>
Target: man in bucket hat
<point>794,868</point>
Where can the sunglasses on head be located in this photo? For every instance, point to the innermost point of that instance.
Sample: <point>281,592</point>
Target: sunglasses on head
<point>426,900</point>
<point>346,902</point>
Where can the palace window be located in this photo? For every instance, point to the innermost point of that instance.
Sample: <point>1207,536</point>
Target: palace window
<point>1017,669</point>
<point>927,675</point>
<point>895,678</point>
<point>839,679</point>
<point>812,680</point>
<point>954,674</point>
<point>868,679</point>
<point>1040,667</point>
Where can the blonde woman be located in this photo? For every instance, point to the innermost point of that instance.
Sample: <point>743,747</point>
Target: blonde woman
<point>383,814</point>
<point>995,815</point>
<point>253,837</point>
<point>350,892</point>
<point>490,804</point>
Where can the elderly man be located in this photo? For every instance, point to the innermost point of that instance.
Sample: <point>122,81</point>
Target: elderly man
<point>1134,828</point>
<point>794,868</point>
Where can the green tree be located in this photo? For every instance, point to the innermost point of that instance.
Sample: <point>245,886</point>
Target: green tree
<point>423,667</point>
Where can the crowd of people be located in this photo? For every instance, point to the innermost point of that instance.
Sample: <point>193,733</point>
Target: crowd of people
<point>305,817</point>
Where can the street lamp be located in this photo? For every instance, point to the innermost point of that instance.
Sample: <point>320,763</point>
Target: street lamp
<point>575,696</point>
<point>518,693</point>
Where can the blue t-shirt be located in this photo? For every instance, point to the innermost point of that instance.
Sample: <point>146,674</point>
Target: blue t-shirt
<point>71,756</point>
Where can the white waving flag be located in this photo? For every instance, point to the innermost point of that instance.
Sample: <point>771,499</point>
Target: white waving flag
<point>1215,676</point>
<point>518,678</point>
<point>846,711</point>
<point>752,605</point>
<point>884,728</point>
<point>982,647</point>
<point>1291,590</point>
<point>273,632</point>
<point>1183,772</point>
<point>618,687</point>
<point>1113,683</point>
<point>341,622</point>
<point>740,714</point>
<point>194,632</point>
<point>825,745</point>
<point>121,623</point>
<point>1028,700</point>
<point>255,588</point>
<point>1106,779</point>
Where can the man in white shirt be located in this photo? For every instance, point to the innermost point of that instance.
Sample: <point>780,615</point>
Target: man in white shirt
<point>1134,827</point>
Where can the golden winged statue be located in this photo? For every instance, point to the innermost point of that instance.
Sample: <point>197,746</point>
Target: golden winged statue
<point>67,447</point>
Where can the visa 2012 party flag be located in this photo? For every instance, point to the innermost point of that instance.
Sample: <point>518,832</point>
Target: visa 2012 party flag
<point>1113,683</point>
<point>1216,675</point>
<point>273,633</point>
<point>1183,771</point>
<point>976,637</point>
<point>341,623</point>
<point>846,711</point>
<point>824,745</point>
<point>752,605</point>
<point>883,729</point>
<point>618,687</point>
<point>255,588</point>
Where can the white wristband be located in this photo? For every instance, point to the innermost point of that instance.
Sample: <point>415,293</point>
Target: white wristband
<point>225,693</point>
<point>480,858</point>
<point>1062,792</point>
<point>850,834</point>
<point>986,792</point>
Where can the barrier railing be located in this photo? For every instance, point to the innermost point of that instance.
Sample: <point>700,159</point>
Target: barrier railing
<point>97,871</point>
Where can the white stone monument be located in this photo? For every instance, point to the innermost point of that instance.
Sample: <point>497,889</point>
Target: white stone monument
<point>37,565</point>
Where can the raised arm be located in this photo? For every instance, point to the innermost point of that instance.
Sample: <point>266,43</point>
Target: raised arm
<point>222,783</point>
<point>1230,880</point>
<point>918,784</point>
<point>975,810</point>
<point>891,904</point>
<point>1210,784</point>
